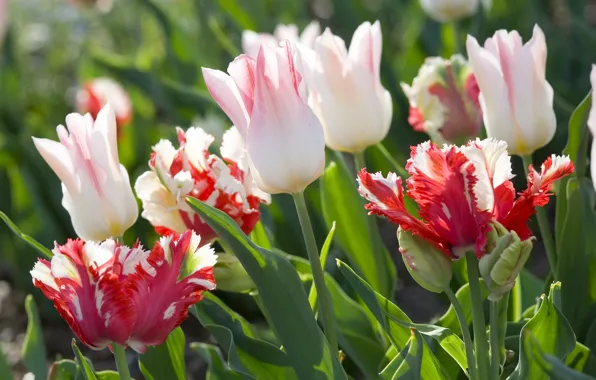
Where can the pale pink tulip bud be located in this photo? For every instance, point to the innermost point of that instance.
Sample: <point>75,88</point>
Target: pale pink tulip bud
<point>191,170</point>
<point>516,99</point>
<point>348,97</point>
<point>96,188</point>
<point>98,92</point>
<point>266,100</point>
<point>444,100</point>
<point>449,10</point>
<point>252,41</point>
<point>110,293</point>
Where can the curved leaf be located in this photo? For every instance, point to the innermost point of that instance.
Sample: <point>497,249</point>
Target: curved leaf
<point>218,369</point>
<point>34,349</point>
<point>165,361</point>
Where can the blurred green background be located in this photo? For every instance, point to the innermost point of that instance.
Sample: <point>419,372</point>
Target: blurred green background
<point>155,49</point>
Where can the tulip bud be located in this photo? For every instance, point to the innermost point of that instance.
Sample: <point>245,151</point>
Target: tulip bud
<point>95,186</point>
<point>266,101</point>
<point>507,256</point>
<point>444,100</point>
<point>348,97</point>
<point>449,10</point>
<point>427,264</point>
<point>516,99</point>
<point>230,275</point>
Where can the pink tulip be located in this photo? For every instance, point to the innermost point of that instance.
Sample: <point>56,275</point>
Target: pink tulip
<point>349,99</point>
<point>95,186</point>
<point>516,99</point>
<point>266,100</point>
<point>110,293</point>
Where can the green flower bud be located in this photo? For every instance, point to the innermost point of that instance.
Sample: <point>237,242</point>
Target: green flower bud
<point>430,267</point>
<point>508,255</point>
<point>230,275</point>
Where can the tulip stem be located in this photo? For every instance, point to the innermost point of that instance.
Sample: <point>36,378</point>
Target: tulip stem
<point>543,225</point>
<point>457,44</point>
<point>465,332</point>
<point>373,228</point>
<point>480,337</point>
<point>121,362</point>
<point>495,360</point>
<point>325,305</point>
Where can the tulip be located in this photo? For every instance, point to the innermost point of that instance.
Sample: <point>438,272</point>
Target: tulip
<point>266,100</point>
<point>506,257</point>
<point>98,92</point>
<point>516,99</point>
<point>353,106</point>
<point>109,293</point>
<point>592,125</point>
<point>460,192</point>
<point>449,10</point>
<point>95,186</point>
<point>444,100</point>
<point>426,264</point>
<point>252,41</point>
<point>192,171</point>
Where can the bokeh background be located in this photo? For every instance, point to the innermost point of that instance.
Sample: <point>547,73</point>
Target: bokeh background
<point>155,49</point>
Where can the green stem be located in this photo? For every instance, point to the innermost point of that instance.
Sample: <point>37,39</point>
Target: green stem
<point>455,25</point>
<point>396,166</point>
<point>465,332</point>
<point>495,359</point>
<point>547,236</point>
<point>121,363</point>
<point>373,228</point>
<point>325,305</point>
<point>480,337</point>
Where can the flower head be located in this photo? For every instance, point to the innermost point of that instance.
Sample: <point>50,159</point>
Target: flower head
<point>460,192</point>
<point>346,91</point>
<point>252,41</point>
<point>444,100</point>
<point>95,186</point>
<point>110,293</point>
<point>266,100</point>
<point>96,93</point>
<point>191,170</point>
<point>516,99</point>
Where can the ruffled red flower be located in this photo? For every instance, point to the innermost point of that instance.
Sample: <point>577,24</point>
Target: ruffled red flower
<point>460,191</point>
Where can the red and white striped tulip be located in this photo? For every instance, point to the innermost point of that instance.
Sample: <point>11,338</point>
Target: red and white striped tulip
<point>252,41</point>
<point>348,97</point>
<point>444,100</point>
<point>461,191</point>
<point>266,100</point>
<point>516,99</point>
<point>110,293</point>
<point>97,93</point>
<point>95,186</point>
<point>191,170</point>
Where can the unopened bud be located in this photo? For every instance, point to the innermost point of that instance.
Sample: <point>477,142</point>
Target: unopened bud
<point>501,266</point>
<point>230,276</point>
<point>427,264</point>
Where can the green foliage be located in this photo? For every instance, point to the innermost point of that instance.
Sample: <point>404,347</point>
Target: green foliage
<point>34,350</point>
<point>165,361</point>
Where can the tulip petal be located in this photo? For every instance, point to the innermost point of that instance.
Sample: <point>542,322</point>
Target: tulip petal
<point>366,47</point>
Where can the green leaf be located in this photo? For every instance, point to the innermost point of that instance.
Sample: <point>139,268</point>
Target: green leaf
<point>577,140</point>
<point>165,361</point>
<point>28,239</point>
<point>83,364</point>
<point>283,297</point>
<point>449,319</point>
<point>531,288</point>
<point>551,331</point>
<point>578,251</point>
<point>259,236</point>
<point>107,375</point>
<point>357,335</point>
<point>34,350</point>
<point>342,203</point>
<point>578,358</point>
<point>395,362</point>
<point>551,367</point>
<point>63,370</point>
<point>312,294</point>
<point>218,369</point>
<point>398,325</point>
<point>246,353</point>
